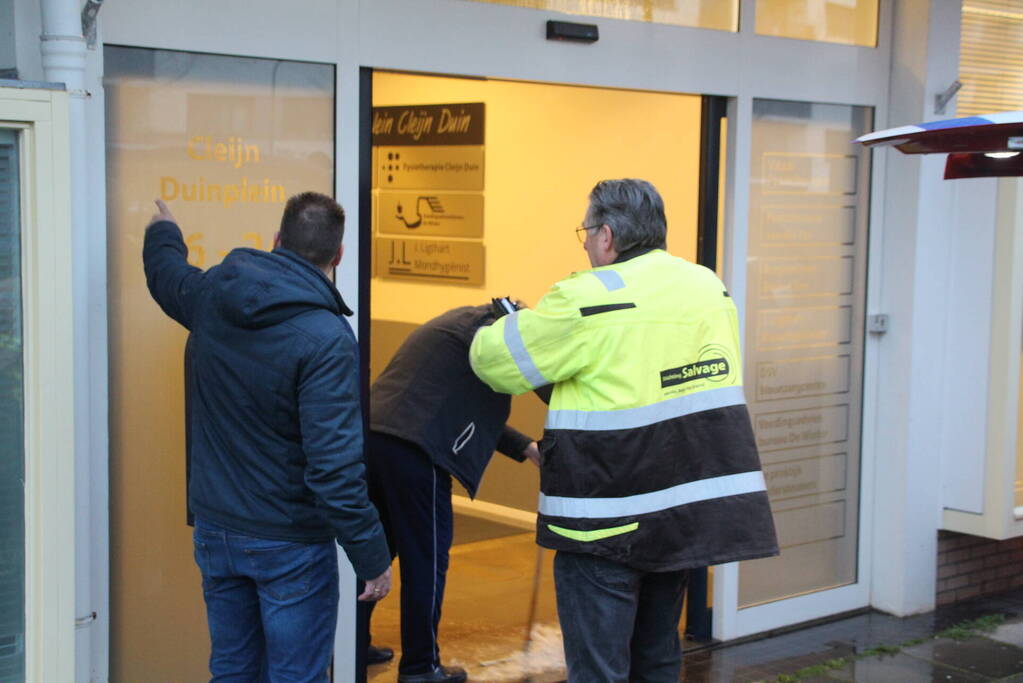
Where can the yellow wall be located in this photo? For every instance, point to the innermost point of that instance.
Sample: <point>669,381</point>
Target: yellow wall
<point>545,148</point>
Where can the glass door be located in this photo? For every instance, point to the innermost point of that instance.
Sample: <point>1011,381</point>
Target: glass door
<point>804,348</point>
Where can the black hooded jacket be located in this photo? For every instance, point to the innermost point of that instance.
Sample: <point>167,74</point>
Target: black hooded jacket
<point>276,432</point>
<point>429,395</point>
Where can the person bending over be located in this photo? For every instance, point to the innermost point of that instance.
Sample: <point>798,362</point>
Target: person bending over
<point>431,419</point>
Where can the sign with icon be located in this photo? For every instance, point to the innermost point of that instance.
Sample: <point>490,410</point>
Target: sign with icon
<point>429,214</point>
<point>428,181</point>
<point>449,261</point>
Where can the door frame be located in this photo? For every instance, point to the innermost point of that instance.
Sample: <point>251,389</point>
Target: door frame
<point>710,233</point>
<point>448,37</point>
<point>721,246</point>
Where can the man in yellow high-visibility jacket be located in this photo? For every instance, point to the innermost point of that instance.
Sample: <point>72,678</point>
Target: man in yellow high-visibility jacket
<point>649,465</point>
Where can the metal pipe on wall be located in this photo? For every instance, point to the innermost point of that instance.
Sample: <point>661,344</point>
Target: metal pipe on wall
<point>63,50</point>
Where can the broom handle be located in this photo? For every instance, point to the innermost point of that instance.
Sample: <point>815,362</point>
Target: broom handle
<point>534,598</point>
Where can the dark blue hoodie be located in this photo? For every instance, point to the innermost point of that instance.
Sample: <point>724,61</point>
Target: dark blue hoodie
<point>276,442</point>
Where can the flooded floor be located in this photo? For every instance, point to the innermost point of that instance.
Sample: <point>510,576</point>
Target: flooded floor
<point>486,609</point>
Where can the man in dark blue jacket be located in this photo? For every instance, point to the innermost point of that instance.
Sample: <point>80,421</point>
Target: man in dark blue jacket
<point>431,419</point>
<point>276,472</point>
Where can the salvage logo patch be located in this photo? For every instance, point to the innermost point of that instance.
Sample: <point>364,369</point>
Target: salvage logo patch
<point>701,369</point>
<point>714,363</point>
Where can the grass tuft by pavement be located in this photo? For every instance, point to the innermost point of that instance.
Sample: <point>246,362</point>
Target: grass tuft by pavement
<point>971,629</point>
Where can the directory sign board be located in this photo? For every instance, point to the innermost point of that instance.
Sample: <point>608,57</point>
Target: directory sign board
<point>428,181</point>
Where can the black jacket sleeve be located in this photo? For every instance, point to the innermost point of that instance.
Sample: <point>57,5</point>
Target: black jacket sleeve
<point>512,442</point>
<point>331,423</point>
<point>544,393</point>
<point>173,283</point>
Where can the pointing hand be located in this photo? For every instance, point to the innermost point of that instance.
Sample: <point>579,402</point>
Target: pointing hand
<point>162,214</point>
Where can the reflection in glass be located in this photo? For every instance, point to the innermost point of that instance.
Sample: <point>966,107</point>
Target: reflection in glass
<point>12,435</point>
<point>804,339</point>
<point>722,15</point>
<point>851,22</point>
<point>224,141</point>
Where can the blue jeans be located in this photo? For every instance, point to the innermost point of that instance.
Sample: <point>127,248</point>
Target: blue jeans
<point>271,605</point>
<point>620,625</point>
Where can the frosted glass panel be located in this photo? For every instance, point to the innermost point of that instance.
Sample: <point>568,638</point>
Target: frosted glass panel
<point>804,339</point>
<point>12,433</point>
<point>852,22</point>
<point>722,15</point>
<point>224,141</point>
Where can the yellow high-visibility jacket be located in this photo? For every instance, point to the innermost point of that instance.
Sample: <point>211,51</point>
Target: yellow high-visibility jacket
<point>648,453</point>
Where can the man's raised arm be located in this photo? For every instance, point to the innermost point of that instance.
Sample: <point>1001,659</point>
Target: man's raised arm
<point>172,281</point>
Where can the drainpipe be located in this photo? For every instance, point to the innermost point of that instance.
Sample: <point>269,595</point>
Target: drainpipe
<point>63,58</point>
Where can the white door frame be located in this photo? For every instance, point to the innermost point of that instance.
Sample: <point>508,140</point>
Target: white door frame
<point>467,38</point>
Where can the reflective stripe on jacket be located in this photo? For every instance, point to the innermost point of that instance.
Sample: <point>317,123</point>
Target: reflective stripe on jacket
<point>648,454</point>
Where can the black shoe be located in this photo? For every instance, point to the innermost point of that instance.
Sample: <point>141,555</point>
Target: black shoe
<point>441,674</point>
<point>378,655</point>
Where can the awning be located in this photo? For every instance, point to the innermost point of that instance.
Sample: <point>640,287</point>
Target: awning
<point>977,146</point>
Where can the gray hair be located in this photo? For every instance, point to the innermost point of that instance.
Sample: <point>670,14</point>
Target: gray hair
<point>634,211</point>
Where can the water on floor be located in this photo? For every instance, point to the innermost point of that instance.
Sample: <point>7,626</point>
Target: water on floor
<point>486,609</point>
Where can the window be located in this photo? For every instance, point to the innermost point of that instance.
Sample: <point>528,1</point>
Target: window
<point>850,22</point>
<point>991,57</point>
<point>37,449</point>
<point>722,15</point>
<point>12,425</point>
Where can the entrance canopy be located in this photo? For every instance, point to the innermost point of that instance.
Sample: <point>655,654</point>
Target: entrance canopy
<point>977,146</point>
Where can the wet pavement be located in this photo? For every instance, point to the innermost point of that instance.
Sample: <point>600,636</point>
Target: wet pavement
<point>865,647</point>
<point>878,648</point>
<point>487,602</point>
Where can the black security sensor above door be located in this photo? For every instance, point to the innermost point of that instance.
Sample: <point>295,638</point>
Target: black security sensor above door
<point>569,30</point>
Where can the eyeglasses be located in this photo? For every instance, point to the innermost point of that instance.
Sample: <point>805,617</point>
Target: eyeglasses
<point>581,235</point>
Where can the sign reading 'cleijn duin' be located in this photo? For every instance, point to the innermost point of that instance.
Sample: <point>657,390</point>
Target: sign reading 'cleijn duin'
<point>429,124</point>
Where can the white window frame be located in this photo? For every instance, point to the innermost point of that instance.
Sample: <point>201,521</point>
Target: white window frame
<point>998,517</point>
<point>41,117</point>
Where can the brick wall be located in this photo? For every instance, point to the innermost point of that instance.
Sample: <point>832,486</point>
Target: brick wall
<point>969,566</point>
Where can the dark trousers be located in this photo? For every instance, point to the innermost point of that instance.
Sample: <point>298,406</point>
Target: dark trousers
<point>620,625</point>
<point>414,500</point>
<point>271,605</point>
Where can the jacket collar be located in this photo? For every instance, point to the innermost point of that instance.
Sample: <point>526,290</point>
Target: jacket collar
<point>629,254</point>
<point>315,272</point>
